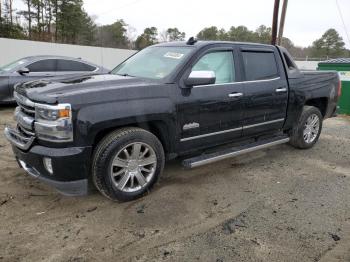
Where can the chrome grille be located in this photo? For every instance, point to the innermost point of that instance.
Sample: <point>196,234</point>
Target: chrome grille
<point>25,104</point>
<point>25,115</point>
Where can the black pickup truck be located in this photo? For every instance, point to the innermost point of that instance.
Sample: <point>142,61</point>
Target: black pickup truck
<point>203,101</point>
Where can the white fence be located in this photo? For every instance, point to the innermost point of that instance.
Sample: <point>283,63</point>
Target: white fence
<point>307,65</point>
<point>11,50</point>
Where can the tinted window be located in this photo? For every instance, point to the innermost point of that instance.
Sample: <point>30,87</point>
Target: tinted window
<point>219,62</point>
<point>69,65</point>
<point>259,65</point>
<point>48,65</point>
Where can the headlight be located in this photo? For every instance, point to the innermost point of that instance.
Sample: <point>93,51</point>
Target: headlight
<point>52,113</point>
<point>54,123</point>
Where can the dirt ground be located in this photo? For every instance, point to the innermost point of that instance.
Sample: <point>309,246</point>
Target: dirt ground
<point>279,204</point>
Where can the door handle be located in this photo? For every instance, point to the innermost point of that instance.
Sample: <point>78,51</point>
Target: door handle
<point>281,89</point>
<point>235,95</point>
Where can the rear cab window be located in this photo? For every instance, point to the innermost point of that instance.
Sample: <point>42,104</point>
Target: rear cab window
<point>259,65</point>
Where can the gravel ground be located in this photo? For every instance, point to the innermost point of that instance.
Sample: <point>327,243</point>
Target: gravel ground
<point>279,204</point>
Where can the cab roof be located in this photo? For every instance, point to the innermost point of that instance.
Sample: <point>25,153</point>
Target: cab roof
<point>200,44</point>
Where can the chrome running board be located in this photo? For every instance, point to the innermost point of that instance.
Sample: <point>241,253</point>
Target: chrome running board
<point>234,151</point>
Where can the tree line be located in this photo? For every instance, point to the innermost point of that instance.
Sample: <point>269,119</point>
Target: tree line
<point>66,21</point>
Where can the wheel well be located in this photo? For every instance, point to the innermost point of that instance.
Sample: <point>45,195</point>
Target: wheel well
<point>321,103</point>
<point>157,128</point>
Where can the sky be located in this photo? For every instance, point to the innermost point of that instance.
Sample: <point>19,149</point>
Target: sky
<point>306,20</point>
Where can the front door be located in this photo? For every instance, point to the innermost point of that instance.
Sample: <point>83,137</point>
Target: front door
<point>213,113</point>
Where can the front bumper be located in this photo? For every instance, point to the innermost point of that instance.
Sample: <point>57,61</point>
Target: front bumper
<point>70,167</point>
<point>68,188</point>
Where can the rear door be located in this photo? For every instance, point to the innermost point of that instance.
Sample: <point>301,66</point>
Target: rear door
<point>265,90</point>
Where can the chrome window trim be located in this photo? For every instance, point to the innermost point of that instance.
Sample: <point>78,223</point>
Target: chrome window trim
<point>231,130</point>
<point>241,82</point>
<point>262,80</point>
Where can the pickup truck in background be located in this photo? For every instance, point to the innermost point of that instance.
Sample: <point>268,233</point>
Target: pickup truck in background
<point>203,101</point>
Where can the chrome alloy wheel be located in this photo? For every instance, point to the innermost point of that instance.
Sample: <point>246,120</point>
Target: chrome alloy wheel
<point>133,167</point>
<point>311,128</point>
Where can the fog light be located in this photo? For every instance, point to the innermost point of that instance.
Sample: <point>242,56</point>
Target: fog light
<point>48,164</point>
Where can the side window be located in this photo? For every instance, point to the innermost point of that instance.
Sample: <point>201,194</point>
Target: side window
<point>221,63</point>
<point>70,65</point>
<point>259,65</point>
<point>48,65</point>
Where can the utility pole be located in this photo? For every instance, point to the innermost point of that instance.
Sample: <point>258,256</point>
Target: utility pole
<point>275,22</point>
<point>283,18</point>
<point>11,12</point>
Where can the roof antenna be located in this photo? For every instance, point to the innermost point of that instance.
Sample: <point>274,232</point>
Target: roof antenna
<point>191,41</point>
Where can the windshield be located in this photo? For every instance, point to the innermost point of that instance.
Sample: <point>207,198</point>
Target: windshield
<point>13,65</point>
<point>153,62</point>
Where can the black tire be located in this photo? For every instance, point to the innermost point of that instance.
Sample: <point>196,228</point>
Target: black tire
<point>297,135</point>
<point>109,147</point>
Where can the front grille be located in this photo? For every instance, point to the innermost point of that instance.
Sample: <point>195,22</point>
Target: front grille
<point>26,105</point>
<point>25,115</point>
<point>25,131</point>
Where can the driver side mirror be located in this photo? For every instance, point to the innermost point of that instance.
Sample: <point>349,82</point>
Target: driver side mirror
<point>23,71</point>
<point>197,78</point>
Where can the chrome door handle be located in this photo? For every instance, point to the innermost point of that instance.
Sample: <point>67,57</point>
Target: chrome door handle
<point>235,95</point>
<point>280,90</point>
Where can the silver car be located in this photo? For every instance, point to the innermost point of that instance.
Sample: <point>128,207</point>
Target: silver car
<point>42,67</point>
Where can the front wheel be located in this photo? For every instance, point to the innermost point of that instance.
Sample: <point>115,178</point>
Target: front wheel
<point>308,129</point>
<point>127,163</point>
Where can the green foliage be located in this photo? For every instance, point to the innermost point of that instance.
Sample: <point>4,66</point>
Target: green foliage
<point>147,38</point>
<point>73,23</point>
<point>329,45</point>
<point>209,33</point>
<point>174,34</point>
<point>113,35</point>
<point>239,33</point>
<point>8,30</point>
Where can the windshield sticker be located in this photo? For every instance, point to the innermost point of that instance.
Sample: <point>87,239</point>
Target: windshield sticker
<point>174,55</point>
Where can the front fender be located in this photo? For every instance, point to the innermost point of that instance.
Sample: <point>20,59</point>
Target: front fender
<point>93,119</point>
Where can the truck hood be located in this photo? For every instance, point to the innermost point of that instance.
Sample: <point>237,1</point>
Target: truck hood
<point>55,89</point>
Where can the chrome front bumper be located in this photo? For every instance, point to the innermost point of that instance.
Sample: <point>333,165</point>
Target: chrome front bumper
<point>17,139</point>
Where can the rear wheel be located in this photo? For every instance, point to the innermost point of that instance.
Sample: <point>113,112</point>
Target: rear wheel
<point>308,129</point>
<point>127,163</point>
